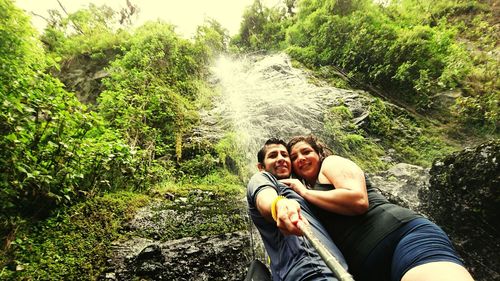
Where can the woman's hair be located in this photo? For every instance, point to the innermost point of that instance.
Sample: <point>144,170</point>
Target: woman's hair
<point>318,146</point>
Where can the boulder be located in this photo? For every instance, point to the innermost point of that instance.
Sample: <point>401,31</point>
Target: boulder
<point>463,198</point>
<point>221,257</point>
<point>401,184</point>
<point>181,238</point>
<point>461,194</point>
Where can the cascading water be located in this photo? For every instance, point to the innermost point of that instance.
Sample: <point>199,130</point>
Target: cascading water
<point>264,97</point>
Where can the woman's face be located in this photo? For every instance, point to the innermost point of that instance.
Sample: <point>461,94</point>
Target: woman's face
<point>305,161</point>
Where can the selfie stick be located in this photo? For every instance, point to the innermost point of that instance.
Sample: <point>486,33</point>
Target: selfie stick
<point>328,258</point>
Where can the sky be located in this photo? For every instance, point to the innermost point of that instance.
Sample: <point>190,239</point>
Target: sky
<point>186,15</point>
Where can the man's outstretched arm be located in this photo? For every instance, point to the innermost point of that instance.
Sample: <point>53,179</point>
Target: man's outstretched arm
<point>287,211</point>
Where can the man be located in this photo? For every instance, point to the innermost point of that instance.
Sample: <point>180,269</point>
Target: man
<point>276,210</point>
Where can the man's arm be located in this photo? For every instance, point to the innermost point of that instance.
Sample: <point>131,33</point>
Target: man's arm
<point>287,211</point>
<point>264,200</point>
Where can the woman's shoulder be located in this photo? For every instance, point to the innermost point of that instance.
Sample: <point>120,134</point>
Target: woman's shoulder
<point>339,163</point>
<point>335,159</point>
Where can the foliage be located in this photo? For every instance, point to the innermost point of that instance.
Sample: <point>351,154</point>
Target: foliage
<point>151,92</point>
<point>219,181</point>
<point>199,166</point>
<point>74,244</point>
<point>86,31</point>
<point>387,133</point>
<point>262,28</point>
<point>413,141</point>
<point>231,153</point>
<point>411,50</point>
<point>480,104</point>
<point>213,37</point>
<point>361,39</point>
<point>205,162</point>
<point>328,74</point>
<point>54,152</point>
<point>345,139</point>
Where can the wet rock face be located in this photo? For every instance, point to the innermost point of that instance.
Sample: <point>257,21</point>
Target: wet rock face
<point>461,194</point>
<point>222,257</point>
<point>401,184</point>
<point>468,183</point>
<point>179,238</point>
<point>464,199</point>
<point>83,75</point>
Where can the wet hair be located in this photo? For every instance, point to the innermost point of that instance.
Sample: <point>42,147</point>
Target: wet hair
<point>262,152</point>
<point>318,146</point>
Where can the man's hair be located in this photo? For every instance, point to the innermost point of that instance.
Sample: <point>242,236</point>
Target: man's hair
<point>262,152</point>
<point>318,146</point>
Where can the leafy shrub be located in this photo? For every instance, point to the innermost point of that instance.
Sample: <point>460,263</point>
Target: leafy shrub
<point>231,155</point>
<point>212,37</point>
<point>151,91</point>
<point>408,136</point>
<point>75,244</point>
<point>262,28</point>
<point>345,139</point>
<point>86,31</point>
<point>199,166</point>
<point>54,152</point>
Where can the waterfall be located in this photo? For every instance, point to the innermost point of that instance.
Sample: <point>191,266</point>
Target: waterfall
<point>264,96</point>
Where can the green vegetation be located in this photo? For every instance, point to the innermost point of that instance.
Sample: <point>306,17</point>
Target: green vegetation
<point>61,157</point>
<point>198,208</point>
<point>74,243</point>
<point>64,161</point>
<point>413,140</point>
<point>349,141</point>
<point>387,128</point>
<point>262,28</point>
<point>412,51</point>
<point>54,151</point>
<point>87,31</point>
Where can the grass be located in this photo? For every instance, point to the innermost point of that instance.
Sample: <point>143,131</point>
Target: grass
<point>72,244</point>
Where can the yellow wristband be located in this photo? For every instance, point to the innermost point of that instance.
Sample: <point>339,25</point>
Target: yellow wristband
<point>274,212</point>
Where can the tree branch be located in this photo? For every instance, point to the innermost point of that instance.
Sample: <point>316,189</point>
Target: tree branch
<point>77,27</point>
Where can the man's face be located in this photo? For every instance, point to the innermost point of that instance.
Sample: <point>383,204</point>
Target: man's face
<point>276,161</point>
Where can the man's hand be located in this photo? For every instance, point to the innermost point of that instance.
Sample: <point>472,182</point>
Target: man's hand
<point>288,215</point>
<point>287,211</point>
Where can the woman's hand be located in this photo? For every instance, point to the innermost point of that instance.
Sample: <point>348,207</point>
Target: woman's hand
<point>296,185</point>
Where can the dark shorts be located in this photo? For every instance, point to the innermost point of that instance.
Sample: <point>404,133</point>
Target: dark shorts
<point>417,242</point>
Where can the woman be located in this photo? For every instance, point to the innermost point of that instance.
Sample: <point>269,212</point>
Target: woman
<point>380,240</point>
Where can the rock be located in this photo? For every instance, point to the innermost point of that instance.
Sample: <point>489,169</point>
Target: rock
<point>83,74</point>
<point>461,194</point>
<point>401,184</point>
<point>167,241</point>
<point>464,198</point>
<point>222,257</point>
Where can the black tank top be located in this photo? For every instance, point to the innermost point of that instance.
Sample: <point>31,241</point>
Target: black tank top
<point>356,236</point>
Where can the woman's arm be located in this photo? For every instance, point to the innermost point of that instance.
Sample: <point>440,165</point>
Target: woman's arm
<point>350,186</point>
<point>349,196</point>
